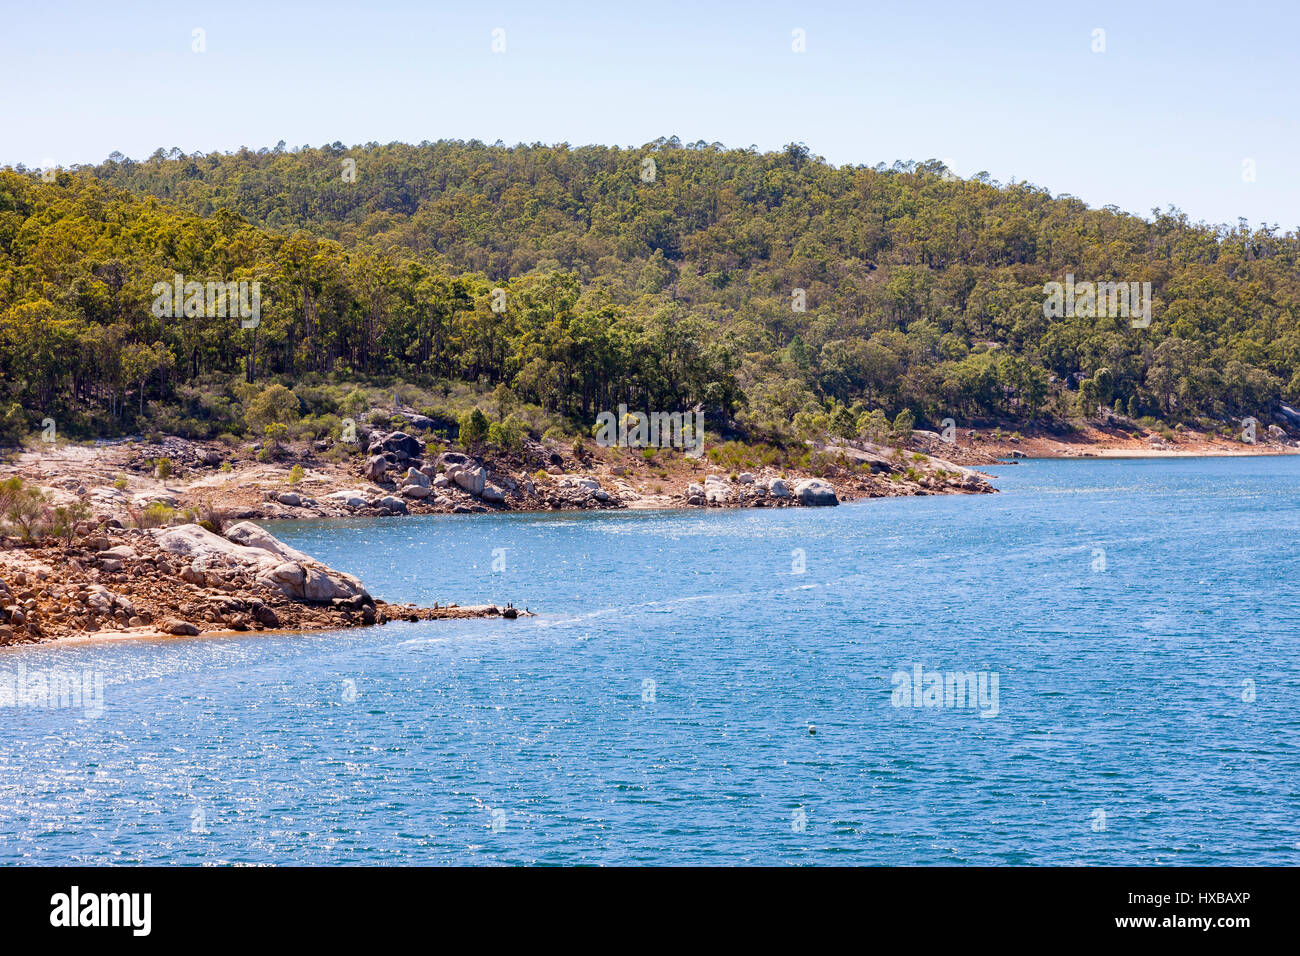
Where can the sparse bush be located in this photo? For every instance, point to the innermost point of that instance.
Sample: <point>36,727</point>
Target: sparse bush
<point>23,507</point>
<point>64,519</point>
<point>156,515</point>
<point>904,422</point>
<point>508,434</point>
<point>473,428</point>
<point>276,435</point>
<point>274,404</point>
<point>874,425</point>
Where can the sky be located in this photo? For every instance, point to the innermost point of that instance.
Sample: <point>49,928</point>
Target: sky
<point>1190,104</point>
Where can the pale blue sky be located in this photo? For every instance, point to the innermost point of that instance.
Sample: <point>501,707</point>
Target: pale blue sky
<point>1182,95</point>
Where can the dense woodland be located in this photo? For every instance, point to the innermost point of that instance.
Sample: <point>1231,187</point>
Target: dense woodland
<point>664,277</point>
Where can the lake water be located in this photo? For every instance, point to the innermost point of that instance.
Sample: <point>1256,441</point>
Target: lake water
<point>1141,619</point>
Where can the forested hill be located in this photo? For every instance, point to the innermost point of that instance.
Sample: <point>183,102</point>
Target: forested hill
<point>773,288</point>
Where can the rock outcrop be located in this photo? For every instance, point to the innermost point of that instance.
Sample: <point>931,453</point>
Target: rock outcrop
<point>749,490</point>
<point>185,580</point>
<point>815,492</point>
<point>247,548</point>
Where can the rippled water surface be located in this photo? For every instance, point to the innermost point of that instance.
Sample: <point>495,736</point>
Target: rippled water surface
<point>1142,619</point>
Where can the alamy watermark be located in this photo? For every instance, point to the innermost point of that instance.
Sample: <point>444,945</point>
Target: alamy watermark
<point>1098,300</point>
<point>53,690</point>
<point>951,689</point>
<point>214,300</point>
<point>684,430</point>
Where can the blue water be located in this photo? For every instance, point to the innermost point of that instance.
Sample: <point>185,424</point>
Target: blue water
<point>1121,691</point>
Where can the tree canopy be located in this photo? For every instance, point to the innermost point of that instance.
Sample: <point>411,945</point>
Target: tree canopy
<point>760,287</point>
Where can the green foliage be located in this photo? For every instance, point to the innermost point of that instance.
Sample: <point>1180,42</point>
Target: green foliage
<point>273,405</point>
<point>162,468</point>
<point>508,435</point>
<point>276,435</point>
<point>295,474</point>
<point>65,518</point>
<point>13,425</point>
<point>921,293</point>
<point>154,515</point>
<point>20,506</point>
<point>474,428</point>
<point>874,425</point>
<point>904,422</point>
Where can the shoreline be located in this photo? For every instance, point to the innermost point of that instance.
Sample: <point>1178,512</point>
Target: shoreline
<point>150,634</point>
<point>187,580</point>
<point>398,473</point>
<point>159,554</point>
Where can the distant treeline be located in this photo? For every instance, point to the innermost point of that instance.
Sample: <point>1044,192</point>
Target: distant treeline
<point>772,290</point>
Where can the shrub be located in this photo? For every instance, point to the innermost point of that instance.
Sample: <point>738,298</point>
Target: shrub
<point>874,425</point>
<point>64,520</point>
<point>904,422</point>
<point>13,425</point>
<point>156,515</point>
<point>276,434</point>
<point>213,519</point>
<point>473,428</point>
<point>163,468</point>
<point>508,434</point>
<point>23,507</point>
<point>295,474</point>
<point>273,404</point>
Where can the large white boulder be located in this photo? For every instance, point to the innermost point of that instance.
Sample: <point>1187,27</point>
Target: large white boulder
<point>353,499</point>
<point>376,466</point>
<point>814,491</point>
<point>415,477</point>
<point>249,548</point>
<point>471,479</point>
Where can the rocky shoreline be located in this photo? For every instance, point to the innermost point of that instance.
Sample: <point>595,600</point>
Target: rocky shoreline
<point>175,552</point>
<point>185,580</point>
<point>404,474</point>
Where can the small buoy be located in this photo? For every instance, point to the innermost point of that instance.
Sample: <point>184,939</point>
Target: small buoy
<point>812,730</point>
